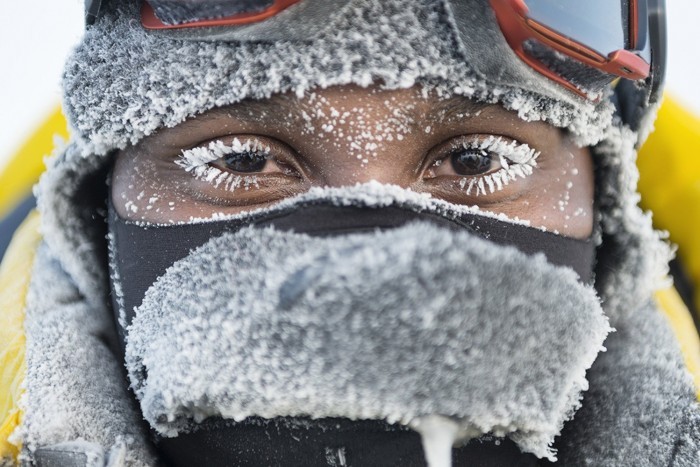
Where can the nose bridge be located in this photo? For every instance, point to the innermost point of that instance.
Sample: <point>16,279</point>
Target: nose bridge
<point>373,141</point>
<point>388,167</point>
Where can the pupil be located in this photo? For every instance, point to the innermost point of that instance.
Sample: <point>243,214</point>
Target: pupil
<point>471,161</point>
<point>245,162</point>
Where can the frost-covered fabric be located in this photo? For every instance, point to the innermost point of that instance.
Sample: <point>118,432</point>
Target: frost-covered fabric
<point>633,258</point>
<point>392,326</point>
<point>641,408</point>
<point>71,198</point>
<point>75,388</point>
<point>162,81</point>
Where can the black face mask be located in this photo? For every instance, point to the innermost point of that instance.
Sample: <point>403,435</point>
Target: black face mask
<point>141,254</point>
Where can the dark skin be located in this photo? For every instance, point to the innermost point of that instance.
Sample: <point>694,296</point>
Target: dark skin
<point>453,149</point>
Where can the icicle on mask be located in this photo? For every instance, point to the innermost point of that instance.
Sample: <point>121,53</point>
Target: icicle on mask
<point>308,328</point>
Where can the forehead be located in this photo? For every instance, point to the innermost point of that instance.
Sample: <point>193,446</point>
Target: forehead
<point>349,116</point>
<point>341,105</point>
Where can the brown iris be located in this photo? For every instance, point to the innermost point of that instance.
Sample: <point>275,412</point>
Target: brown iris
<point>467,161</point>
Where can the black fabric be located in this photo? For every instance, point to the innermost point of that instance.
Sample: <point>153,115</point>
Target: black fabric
<point>584,77</point>
<point>335,442</point>
<point>143,253</point>
<point>9,223</point>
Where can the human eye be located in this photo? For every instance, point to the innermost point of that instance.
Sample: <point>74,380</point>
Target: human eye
<point>240,164</point>
<point>480,165</point>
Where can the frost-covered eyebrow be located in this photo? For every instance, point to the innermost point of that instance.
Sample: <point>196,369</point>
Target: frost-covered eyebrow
<point>457,107</point>
<point>275,109</point>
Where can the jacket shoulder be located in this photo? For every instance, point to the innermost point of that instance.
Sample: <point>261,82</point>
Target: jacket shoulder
<point>12,221</point>
<point>15,275</point>
<point>22,170</point>
<point>681,321</point>
<point>669,183</point>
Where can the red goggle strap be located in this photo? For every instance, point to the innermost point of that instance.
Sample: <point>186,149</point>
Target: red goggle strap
<point>149,20</point>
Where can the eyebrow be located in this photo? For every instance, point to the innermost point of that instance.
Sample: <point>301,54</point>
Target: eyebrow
<point>457,107</point>
<point>277,107</point>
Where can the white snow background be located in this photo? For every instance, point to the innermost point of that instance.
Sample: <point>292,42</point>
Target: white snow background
<point>35,39</point>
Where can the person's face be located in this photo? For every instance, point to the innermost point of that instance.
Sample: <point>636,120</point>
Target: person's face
<point>265,151</point>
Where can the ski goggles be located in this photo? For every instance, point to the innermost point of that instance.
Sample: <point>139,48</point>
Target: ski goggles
<point>609,36</point>
<point>565,39</point>
<point>584,46</point>
<point>158,14</point>
<point>240,20</point>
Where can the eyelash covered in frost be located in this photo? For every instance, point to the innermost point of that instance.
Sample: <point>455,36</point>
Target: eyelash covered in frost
<point>196,161</point>
<point>516,159</point>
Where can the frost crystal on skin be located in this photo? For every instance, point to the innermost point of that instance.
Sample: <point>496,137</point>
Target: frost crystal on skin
<point>192,159</point>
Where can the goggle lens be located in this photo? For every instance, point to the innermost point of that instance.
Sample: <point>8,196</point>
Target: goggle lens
<point>596,23</point>
<point>609,37</point>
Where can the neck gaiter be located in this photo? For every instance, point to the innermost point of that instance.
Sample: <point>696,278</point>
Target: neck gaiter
<point>334,333</point>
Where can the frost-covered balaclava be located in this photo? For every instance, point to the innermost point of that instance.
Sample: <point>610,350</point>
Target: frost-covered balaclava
<point>264,325</point>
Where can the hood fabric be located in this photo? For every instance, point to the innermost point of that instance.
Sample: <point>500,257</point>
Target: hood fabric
<point>122,84</point>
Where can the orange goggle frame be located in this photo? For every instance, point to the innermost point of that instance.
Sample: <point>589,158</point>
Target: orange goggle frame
<point>518,28</point>
<point>151,21</point>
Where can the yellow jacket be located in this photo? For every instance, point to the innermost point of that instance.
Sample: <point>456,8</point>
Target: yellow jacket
<point>669,166</point>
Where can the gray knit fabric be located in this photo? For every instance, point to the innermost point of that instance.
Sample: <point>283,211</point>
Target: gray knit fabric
<point>163,81</point>
<point>641,408</point>
<point>75,389</point>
